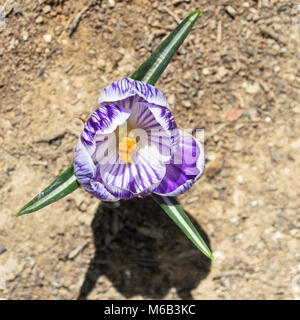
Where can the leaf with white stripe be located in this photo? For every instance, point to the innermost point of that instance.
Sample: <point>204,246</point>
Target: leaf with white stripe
<point>63,185</point>
<point>177,214</point>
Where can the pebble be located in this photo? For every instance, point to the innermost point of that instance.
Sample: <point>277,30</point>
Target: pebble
<point>13,268</point>
<point>268,119</point>
<point>264,3</point>
<point>254,203</point>
<point>187,104</point>
<point>47,38</point>
<point>111,3</point>
<point>252,88</point>
<point>237,147</point>
<point>233,114</point>
<point>287,170</point>
<point>47,9</point>
<point>221,73</point>
<point>231,11</point>
<point>171,99</point>
<point>25,36</point>
<point>214,167</point>
<point>206,71</point>
<point>218,255</point>
<point>277,235</point>
<point>240,179</point>
<point>39,20</point>
<point>277,69</point>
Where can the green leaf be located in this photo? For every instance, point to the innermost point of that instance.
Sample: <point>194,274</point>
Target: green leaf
<point>176,213</point>
<point>63,185</point>
<point>155,65</point>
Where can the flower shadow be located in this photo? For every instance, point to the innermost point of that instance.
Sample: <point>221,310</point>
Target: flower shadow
<point>142,252</point>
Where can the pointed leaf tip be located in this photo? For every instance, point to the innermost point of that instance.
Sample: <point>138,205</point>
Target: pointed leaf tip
<point>173,209</point>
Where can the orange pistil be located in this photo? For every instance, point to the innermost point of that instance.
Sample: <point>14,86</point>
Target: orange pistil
<point>126,148</point>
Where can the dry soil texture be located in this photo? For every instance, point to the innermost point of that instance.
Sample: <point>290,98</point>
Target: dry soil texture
<point>237,76</point>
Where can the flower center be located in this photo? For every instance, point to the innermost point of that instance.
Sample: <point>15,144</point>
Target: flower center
<point>127,147</point>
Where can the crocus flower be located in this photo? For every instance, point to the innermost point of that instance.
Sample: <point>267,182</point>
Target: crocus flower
<point>131,146</point>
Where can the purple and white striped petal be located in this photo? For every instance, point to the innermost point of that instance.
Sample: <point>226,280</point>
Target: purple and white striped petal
<point>104,120</point>
<point>138,96</point>
<point>186,166</point>
<point>135,179</point>
<point>124,88</point>
<point>84,167</point>
<point>159,125</point>
<point>99,191</point>
<point>86,174</point>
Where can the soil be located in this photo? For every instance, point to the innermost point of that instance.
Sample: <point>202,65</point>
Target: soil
<point>237,75</point>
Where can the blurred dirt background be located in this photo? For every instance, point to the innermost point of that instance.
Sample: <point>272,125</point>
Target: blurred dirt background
<point>237,76</point>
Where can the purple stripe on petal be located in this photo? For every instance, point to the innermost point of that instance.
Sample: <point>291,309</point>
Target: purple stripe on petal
<point>84,168</point>
<point>124,88</point>
<point>104,120</point>
<point>86,173</point>
<point>99,191</point>
<point>141,176</point>
<point>186,166</point>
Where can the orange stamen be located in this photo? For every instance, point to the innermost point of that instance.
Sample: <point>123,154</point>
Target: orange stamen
<point>126,148</point>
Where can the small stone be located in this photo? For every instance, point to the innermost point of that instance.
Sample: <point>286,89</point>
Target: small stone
<point>206,71</point>
<point>237,147</point>
<point>222,72</point>
<point>254,203</point>
<point>278,235</point>
<point>252,88</point>
<point>249,17</point>
<point>240,179</point>
<point>218,255</point>
<point>214,167</point>
<point>39,20</point>
<point>171,99</point>
<point>277,69</point>
<point>58,30</point>
<point>233,114</point>
<point>264,3</point>
<point>111,3</point>
<point>286,170</point>
<point>231,11</point>
<point>47,9</point>
<point>25,35</point>
<point>187,104</point>
<point>13,268</point>
<point>268,119</point>
<point>48,38</point>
